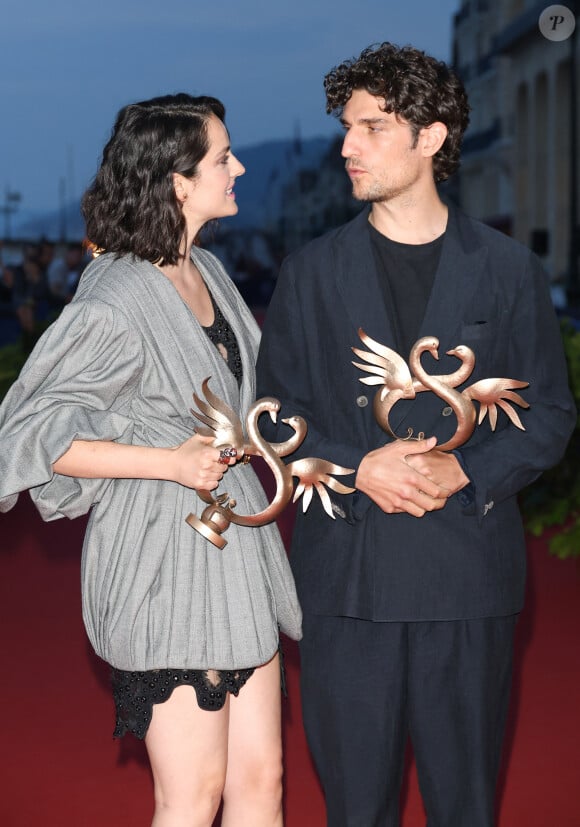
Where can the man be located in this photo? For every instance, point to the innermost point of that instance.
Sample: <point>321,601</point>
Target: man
<point>411,594</point>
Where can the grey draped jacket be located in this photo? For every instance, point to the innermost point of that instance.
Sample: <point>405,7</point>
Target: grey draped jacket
<point>121,363</point>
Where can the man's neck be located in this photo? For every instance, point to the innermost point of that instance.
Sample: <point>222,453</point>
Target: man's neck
<point>410,222</point>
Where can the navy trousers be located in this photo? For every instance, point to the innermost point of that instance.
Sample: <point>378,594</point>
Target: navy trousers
<point>367,687</point>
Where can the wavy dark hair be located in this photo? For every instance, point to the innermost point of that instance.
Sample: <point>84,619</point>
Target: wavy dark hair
<point>415,86</point>
<point>131,206</point>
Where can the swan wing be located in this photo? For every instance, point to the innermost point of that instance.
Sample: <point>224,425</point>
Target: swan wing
<point>385,364</point>
<point>494,393</point>
<point>220,420</point>
<point>316,473</point>
<point>380,375</point>
<point>511,413</point>
<point>307,498</point>
<point>324,499</point>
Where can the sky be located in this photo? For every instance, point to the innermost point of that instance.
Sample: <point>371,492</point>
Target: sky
<point>68,66</point>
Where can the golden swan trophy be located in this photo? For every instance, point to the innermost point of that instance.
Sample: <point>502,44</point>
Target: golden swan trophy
<point>399,381</point>
<point>224,425</point>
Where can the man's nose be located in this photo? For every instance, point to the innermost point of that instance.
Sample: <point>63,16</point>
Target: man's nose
<point>348,146</point>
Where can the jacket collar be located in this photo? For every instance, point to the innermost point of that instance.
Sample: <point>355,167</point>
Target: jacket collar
<point>460,267</point>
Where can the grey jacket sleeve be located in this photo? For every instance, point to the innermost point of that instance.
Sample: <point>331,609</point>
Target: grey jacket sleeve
<point>75,385</point>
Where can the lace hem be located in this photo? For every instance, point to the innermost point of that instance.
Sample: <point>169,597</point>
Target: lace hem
<point>135,693</point>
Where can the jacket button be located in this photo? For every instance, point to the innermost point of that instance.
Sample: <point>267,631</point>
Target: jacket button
<point>362,401</point>
<point>447,411</point>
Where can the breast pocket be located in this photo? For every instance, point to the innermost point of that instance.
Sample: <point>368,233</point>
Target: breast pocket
<point>474,331</point>
<point>484,339</point>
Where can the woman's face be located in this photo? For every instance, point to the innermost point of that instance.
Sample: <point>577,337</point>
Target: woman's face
<point>210,194</point>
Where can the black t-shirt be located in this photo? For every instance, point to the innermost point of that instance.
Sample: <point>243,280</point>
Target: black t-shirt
<point>407,273</point>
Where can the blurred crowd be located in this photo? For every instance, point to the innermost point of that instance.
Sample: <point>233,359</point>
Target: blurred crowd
<point>33,291</point>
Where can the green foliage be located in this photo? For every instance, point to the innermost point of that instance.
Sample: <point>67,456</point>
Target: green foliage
<point>554,499</point>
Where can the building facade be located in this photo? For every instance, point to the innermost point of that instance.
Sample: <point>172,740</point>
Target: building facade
<point>519,169</point>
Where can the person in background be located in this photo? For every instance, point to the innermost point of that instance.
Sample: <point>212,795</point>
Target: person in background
<point>411,595</point>
<point>6,283</point>
<point>64,273</point>
<point>31,297</point>
<point>45,254</point>
<point>100,420</point>
<point>9,326</point>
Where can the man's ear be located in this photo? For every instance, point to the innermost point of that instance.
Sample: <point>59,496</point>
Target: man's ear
<point>432,138</point>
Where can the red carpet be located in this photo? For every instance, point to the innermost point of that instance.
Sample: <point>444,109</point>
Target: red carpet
<point>60,766</point>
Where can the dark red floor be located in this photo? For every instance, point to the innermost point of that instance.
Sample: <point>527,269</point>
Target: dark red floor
<point>60,766</point>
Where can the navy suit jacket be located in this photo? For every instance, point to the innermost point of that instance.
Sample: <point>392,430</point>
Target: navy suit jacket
<point>489,293</point>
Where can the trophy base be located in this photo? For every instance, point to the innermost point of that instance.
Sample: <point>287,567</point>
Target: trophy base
<point>204,529</point>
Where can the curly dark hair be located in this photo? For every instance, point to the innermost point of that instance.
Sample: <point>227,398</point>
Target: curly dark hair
<point>415,86</point>
<point>131,206</point>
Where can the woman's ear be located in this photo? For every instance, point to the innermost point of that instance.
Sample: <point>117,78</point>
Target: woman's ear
<point>432,138</point>
<point>179,185</point>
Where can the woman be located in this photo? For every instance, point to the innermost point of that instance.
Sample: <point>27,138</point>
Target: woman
<point>100,418</point>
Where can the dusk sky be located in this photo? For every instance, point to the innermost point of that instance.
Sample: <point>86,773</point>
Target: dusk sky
<point>67,67</point>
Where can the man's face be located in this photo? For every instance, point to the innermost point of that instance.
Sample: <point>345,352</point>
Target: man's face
<point>382,159</point>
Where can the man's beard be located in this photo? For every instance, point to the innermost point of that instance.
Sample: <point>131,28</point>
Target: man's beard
<point>377,193</point>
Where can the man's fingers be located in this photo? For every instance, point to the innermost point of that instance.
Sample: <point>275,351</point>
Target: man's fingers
<point>418,446</point>
<point>424,487</point>
<point>423,504</point>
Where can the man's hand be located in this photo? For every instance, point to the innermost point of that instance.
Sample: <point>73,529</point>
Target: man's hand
<point>390,480</point>
<point>443,469</point>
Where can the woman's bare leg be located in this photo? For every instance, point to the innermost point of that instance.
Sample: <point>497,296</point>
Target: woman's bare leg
<point>188,752</point>
<point>253,788</point>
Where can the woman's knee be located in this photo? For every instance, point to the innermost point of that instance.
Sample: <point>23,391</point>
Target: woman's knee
<point>200,797</point>
<point>260,777</point>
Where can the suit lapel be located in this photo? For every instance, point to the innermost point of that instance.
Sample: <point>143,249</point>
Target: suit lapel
<point>357,281</point>
<point>457,277</point>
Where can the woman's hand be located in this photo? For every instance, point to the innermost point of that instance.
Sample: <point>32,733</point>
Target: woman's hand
<point>199,465</point>
<point>194,463</point>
